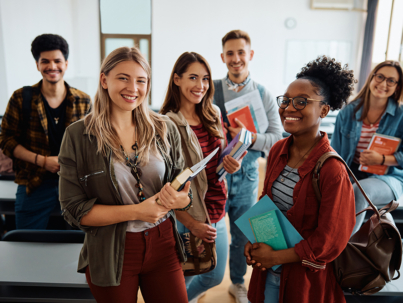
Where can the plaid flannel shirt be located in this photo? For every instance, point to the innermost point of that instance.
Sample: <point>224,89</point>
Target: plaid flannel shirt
<point>36,138</point>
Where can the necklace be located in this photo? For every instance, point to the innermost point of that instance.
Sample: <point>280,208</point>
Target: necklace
<point>292,168</point>
<point>136,172</point>
<point>372,123</point>
<point>56,120</point>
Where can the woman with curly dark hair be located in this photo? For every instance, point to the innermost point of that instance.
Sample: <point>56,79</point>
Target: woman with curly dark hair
<point>306,272</point>
<point>376,109</point>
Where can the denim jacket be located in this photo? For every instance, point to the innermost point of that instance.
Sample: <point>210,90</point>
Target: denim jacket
<point>347,133</point>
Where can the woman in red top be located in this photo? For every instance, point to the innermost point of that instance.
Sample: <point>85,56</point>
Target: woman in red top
<point>306,271</point>
<point>189,103</point>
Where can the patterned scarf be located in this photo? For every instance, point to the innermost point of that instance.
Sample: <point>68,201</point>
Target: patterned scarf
<point>234,86</point>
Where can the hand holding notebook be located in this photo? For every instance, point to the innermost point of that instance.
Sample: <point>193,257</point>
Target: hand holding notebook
<point>186,175</point>
<point>263,221</point>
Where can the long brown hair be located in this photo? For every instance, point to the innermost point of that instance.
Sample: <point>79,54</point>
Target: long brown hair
<point>148,123</point>
<point>204,110</point>
<point>365,92</point>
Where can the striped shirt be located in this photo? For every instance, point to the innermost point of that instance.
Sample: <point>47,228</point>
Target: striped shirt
<point>283,194</point>
<point>283,191</point>
<point>216,195</point>
<point>367,131</point>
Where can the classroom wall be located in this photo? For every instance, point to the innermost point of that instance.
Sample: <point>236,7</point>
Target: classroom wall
<point>177,26</point>
<point>22,20</point>
<point>180,26</point>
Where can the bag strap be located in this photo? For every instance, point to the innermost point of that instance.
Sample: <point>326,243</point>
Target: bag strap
<point>219,101</point>
<point>188,160</point>
<point>316,175</point>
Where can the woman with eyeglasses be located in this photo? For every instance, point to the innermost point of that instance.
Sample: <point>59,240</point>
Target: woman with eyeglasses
<point>306,272</point>
<point>376,109</point>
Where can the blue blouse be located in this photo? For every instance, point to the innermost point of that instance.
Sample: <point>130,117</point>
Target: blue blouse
<point>347,133</point>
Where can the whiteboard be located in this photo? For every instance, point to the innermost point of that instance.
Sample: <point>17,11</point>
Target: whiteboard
<point>300,52</point>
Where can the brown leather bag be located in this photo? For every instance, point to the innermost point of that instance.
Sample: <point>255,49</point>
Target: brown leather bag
<point>201,255</point>
<point>374,253</point>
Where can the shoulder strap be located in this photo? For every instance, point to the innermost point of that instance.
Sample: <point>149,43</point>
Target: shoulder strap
<point>219,101</point>
<point>260,88</point>
<point>26,110</point>
<point>316,175</point>
<point>187,156</point>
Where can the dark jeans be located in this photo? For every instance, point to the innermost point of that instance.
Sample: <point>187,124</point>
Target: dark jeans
<point>33,211</point>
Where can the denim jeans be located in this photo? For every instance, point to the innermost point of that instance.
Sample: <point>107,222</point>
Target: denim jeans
<point>377,191</point>
<point>242,195</point>
<point>33,211</point>
<point>195,285</point>
<point>272,288</point>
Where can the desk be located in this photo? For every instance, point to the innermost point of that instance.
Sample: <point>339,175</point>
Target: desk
<point>7,197</point>
<point>41,272</point>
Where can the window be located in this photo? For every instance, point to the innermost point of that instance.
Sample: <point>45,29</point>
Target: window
<point>125,23</point>
<point>388,32</point>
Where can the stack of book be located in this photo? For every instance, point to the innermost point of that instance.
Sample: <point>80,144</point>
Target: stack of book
<point>236,148</point>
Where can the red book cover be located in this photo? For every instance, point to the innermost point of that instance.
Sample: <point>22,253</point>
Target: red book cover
<point>244,115</point>
<point>382,144</point>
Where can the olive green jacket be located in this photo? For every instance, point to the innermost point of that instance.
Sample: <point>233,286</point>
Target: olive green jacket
<point>88,178</point>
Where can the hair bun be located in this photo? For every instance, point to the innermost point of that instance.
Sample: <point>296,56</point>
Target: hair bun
<point>335,81</point>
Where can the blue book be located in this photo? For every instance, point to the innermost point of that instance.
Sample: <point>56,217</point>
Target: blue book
<point>291,235</point>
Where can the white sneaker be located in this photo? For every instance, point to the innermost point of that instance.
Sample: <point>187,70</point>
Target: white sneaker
<point>239,292</point>
<point>195,300</point>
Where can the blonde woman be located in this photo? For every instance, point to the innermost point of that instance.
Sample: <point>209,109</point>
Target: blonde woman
<point>113,167</point>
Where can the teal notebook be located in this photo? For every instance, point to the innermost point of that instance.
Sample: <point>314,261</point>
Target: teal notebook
<point>265,205</point>
<point>266,229</point>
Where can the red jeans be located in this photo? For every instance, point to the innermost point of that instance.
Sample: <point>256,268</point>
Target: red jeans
<point>151,262</point>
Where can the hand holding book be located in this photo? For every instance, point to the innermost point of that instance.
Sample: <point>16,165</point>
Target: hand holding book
<point>262,256</point>
<point>234,130</point>
<point>172,199</point>
<point>232,165</point>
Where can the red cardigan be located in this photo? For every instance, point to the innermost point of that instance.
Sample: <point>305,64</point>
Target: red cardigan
<point>326,227</point>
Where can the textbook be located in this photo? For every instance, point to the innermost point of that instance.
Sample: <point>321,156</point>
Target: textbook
<point>189,174</point>
<point>244,115</point>
<point>235,148</point>
<point>256,107</point>
<point>266,229</point>
<point>263,206</point>
<point>383,144</point>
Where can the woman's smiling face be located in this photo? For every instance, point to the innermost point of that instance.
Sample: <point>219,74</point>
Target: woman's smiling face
<point>297,122</point>
<point>194,83</point>
<point>126,84</point>
<point>380,89</point>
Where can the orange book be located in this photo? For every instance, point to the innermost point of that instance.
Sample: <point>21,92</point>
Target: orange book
<point>244,115</point>
<point>383,144</point>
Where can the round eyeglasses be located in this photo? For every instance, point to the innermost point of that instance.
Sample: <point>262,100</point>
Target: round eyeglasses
<point>298,103</point>
<point>389,81</point>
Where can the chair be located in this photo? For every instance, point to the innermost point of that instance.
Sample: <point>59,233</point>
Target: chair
<point>44,235</point>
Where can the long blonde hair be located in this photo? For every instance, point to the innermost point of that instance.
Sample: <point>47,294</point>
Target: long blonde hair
<point>365,92</point>
<point>204,110</point>
<point>148,123</point>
